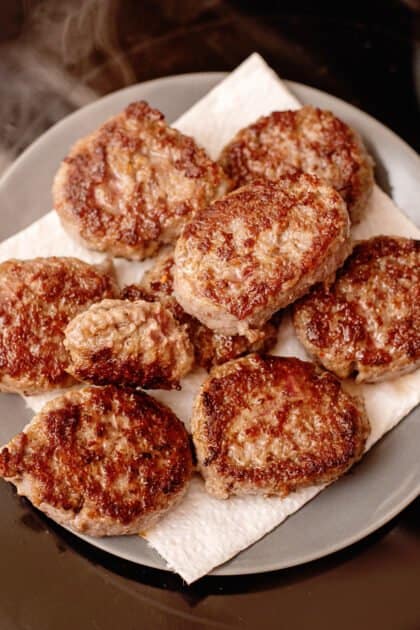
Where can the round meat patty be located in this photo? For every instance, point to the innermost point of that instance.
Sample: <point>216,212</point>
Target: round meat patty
<point>134,344</point>
<point>37,300</point>
<point>259,249</point>
<point>101,460</point>
<point>132,184</point>
<point>310,140</point>
<point>210,348</point>
<point>367,324</point>
<point>270,425</point>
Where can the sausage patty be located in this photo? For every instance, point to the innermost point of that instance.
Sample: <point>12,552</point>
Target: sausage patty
<point>258,249</point>
<point>210,348</point>
<point>101,460</point>
<point>367,323</point>
<point>269,425</point>
<point>310,140</point>
<point>136,344</point>
<point>132,184</point>
<point>37,300</point>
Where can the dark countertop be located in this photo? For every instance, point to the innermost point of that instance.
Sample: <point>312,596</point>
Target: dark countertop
<point>56,56</point>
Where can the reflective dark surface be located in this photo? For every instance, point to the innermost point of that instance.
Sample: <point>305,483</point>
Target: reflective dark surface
<point>58,56</point>
<point>52,580</point>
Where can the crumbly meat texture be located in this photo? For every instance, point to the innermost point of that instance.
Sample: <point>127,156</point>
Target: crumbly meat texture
<point>210,348</point>
<point>132,344</point>
<point>101,460</point>
<point>132,184</point>
<point>310,140</point>
<point>258,249</point>
<point>367,324</point>
<point>38,298</point>
<point>270,425</point>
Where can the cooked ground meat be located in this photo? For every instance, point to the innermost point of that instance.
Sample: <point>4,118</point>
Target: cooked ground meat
<point>310,140</point>
<point>134,344</point>
<point>133,183</point>
<point>270,425</point>
<point>258,249</point>
<point>210,348</point>
<point>38,298</point>
<point>101,460</point>
<point>367,323</point>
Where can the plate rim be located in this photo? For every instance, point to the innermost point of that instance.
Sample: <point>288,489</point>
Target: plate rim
<point>216,77</point>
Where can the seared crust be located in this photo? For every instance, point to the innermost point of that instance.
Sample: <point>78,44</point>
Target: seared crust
<point>138,344</point>
<point>210,348</point>
<point>37,300</point>
<point>132,184</point>
<point>269,425</point>
<point>103,461</point>
<point>367,323</point>
<point>310,140</point>
<point>258,249</point>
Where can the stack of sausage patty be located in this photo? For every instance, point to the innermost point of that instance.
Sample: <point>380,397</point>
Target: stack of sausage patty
<point>264,229</point>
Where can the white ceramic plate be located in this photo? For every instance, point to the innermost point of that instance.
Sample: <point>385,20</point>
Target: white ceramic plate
<point>388,478</point>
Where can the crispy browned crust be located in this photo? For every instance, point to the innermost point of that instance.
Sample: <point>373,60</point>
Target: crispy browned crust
<point>215,349</point>
<point>131,185</point>
<point>210,348</point>
<point>104,461</point>
<point>37,300</point>
<point>258,249</point>
<point>132,344</point>
<point>309,140</point>
<point>367,323</point>
<point>269,425</point>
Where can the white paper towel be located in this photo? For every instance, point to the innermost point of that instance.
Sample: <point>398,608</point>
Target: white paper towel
<point>203,532</point>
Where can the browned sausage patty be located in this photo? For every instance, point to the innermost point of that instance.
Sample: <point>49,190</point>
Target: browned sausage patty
<point>310,140</point>
<point>37,300</point>
<point>258,249</point>
<point>269,425</point>
<point>367,323</point>
<point>210,348</point>
<point>101,460</point>
<point>136,344</point>
<point>132,184</point>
